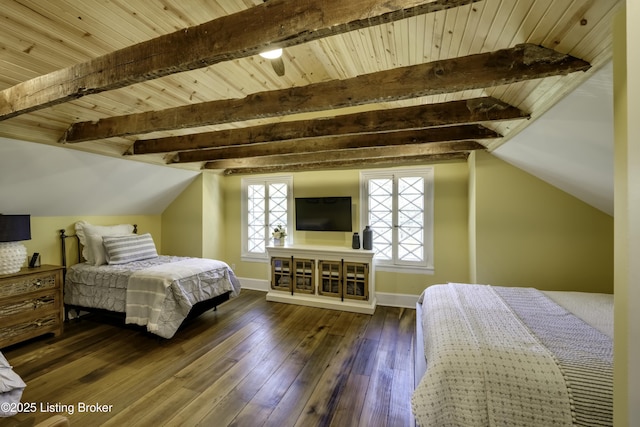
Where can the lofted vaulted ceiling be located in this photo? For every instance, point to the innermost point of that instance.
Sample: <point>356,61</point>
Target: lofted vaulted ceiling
<point>366,82</point>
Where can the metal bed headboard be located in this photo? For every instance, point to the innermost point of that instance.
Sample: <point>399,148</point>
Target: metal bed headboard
<point>63,238</point>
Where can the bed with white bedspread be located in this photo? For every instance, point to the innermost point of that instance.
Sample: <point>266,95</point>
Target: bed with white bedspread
<point>157,293</point>
<point>501,356</point>
<point>120,271</point>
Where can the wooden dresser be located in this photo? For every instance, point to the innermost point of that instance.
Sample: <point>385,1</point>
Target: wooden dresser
<point>30,304</point>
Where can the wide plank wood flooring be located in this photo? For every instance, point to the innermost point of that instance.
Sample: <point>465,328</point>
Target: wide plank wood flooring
<point>250,363</point>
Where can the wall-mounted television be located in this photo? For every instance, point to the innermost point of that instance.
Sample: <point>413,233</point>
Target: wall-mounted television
<point>323,213</point>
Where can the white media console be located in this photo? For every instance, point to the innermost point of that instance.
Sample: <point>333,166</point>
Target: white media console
<point>323,276</point>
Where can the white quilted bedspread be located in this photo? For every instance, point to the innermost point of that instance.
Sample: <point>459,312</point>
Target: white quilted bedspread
<point>175,284</point>
<point>148,289</point>
<point>502,378</point>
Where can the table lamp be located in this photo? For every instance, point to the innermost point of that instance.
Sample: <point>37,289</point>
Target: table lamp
<point>13,230</point>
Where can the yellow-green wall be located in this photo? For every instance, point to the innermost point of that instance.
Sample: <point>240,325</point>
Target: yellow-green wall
<point>529,233</point>
<point>305,184</point>
<point>626,350</point>
<point>450,233</point>
<point>45,233</point>
<point>182,231</point>
<point>493,223</point>
<point>213,222</point>
<point>193,224</point>
<point>473,267</point>
<point>451,237</point>
<point>232,193</point>
<point>328,184</point>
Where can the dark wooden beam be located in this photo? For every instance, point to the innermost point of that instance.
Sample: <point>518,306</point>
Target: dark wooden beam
<point>277,23</point>
<point>344,142</point>
<point>521,63</point>
<point>351,164</point>
<point>394,152</point>
<point>417,117</point>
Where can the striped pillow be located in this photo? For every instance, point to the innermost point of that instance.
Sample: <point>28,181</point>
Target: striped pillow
<point>124,249</point>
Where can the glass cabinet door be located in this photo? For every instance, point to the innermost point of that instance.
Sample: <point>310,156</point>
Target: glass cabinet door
<point>303,276</point>
<point>281,273</point>
<point>330,278</point>
<point>356,280</point>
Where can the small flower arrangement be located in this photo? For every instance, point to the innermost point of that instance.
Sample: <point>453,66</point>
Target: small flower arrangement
<point>279,232</point>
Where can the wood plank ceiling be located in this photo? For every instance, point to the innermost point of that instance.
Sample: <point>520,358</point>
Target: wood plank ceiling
<point>366,82</point>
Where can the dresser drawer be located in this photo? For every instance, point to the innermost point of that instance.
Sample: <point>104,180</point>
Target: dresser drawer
<point>30,305</point>
<point>29,328</point>
<point>25,285</point>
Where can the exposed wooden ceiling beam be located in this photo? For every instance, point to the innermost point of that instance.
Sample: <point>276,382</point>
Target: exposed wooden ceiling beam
<point>520,63</point>
<point>278,23</point>
<point>394,152</point>
<point>417,117</point>
<point>342,142</point>
<point>350,164</point>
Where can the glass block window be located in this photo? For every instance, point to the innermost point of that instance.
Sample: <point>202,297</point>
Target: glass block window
<point>266,203</point>
<point>398,205</point>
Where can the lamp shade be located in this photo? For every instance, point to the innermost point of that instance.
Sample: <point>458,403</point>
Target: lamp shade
<point>15,228</point>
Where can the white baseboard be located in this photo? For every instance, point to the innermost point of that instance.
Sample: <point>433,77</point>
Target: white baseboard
<point>397,300</point>
<point>254,284</point>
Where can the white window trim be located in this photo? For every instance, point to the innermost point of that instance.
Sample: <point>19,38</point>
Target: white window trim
<point>245,182</point>
<point>427,173</point>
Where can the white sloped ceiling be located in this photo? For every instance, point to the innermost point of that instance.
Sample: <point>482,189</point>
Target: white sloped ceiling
<point>571,145</point>
<point>43,180</point>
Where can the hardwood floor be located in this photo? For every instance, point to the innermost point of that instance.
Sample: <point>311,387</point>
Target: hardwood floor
<point>251,363</point>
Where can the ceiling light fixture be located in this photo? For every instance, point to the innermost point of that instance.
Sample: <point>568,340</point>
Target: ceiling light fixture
<point>272,54</point>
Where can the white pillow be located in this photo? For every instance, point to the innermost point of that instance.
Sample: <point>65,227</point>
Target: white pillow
<point>83,229</point>
<point>124,249</point>
<point>97,249</point>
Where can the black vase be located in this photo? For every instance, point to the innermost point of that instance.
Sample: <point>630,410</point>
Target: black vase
<point>355,241</point>
<point>367,238</point>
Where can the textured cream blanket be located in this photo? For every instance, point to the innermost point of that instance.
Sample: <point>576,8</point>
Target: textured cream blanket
<point>148,289</point>
<point>477,378</point>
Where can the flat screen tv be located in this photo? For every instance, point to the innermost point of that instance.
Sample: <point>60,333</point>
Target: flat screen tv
<point>323,213</point>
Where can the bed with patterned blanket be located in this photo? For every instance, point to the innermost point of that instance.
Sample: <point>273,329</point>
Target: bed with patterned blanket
<point>120,271</point>
<point>502,356</point>
<point>157,293</point>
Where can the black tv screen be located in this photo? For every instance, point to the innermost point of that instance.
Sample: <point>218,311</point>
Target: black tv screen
<point>323,213</point>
